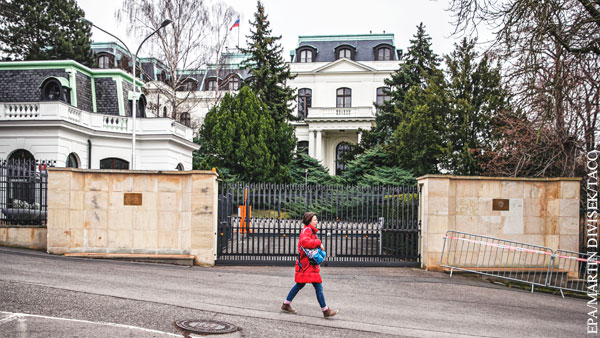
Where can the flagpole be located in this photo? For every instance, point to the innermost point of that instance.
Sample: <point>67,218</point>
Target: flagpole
<point>238,45</point>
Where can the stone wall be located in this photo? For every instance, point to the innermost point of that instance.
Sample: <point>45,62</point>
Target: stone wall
<point>23,237</point>
<point>91,211</point>
<point>542,212</point>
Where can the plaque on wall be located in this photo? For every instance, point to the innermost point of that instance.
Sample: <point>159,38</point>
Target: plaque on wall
<point>132,198</point>
<point>500,204</point>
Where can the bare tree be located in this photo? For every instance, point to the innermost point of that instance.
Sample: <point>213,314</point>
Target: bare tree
<point>186,47</point>
<point>550,50</point>
<point>574,24</point>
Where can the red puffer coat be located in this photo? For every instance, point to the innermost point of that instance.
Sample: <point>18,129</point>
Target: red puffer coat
<point>308,273</point>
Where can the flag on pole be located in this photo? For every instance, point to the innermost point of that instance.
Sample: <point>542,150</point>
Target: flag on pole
<point>235,24</point>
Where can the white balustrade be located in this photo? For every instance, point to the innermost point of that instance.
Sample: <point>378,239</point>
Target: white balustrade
<point>24,110</point>
<point>341,113</point>
<point>111,123</point>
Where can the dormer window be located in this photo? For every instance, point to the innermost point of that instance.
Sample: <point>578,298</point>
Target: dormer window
<point>233,83</point>
<point>141,107</point>
<point>55,89</point>
<point>383,53</point>
<point>306,56</point>
<point>189,85</point>
<point>345,51</point>
<point>211,84</point>
<point>104,62</point>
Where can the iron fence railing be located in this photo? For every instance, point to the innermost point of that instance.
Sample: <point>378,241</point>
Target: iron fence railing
<point>260,223</point>
<point>517,261</point>
<point>24,192</point>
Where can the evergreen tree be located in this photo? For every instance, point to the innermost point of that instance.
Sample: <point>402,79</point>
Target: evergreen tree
<point>235,139</point>
<point>418,140</point>
<point>476,96</point>
<point>268,79</point>
<point>44,30</point>
<point>305,169</point>
<point>366,170</point>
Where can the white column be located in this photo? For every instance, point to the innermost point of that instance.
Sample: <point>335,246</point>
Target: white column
<point>359,136</point>
<point>319,144</point>
<point>311,143</point>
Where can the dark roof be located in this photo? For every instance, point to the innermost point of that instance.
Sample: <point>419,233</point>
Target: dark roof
<point>364,45</point>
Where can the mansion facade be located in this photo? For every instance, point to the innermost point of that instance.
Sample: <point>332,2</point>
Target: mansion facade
<point>81,117</point>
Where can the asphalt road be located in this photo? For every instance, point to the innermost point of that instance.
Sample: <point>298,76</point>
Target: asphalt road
<point>43,295</point>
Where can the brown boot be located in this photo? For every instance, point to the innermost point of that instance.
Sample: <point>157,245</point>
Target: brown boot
<point>330,313</point>
<point>287,308</point>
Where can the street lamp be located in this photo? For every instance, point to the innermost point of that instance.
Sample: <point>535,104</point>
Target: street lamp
<point>165,23</point>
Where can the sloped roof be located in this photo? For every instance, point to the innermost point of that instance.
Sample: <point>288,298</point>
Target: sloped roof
<point>364,44</point>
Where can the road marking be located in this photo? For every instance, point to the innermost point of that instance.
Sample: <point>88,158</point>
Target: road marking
<point>13,316</point>
<point>10,318</point>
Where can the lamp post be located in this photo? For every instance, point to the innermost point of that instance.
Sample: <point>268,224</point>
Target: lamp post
<point>165,23</point>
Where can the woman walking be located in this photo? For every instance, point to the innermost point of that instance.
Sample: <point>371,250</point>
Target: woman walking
<point>306,272</point>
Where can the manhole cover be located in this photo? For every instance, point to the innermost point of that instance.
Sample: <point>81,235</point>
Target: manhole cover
<point>205,326</point>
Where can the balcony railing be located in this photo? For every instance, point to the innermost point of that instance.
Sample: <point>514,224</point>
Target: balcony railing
<point>341,113</point>
<point>26,111</point>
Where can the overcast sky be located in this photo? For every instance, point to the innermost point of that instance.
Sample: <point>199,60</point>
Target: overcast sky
<point>292,18</point>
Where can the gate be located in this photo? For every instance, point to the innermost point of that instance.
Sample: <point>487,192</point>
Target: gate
<point>364,226</point>
<point>23,192</point>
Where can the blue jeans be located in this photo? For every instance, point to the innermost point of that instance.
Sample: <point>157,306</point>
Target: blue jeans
<point>318,291</point>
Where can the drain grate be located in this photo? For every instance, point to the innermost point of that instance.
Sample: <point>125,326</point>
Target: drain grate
<point>205,326</point>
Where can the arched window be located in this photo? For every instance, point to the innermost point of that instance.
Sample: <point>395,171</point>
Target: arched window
<point>114,163</point>
<point>344,98</point>
<point>345,53</point>
<point>341,149</point>
<point>53,90</point>
<point>383,95</point>
<point>306,55</point>
<point>211,84</point>
<point>21,155</point>
<point>184,119</point>
<point>303,147</point>
<point>104,61</point>
<point>179,167</point>
<point>189,85</point>
<point>165,113</point>
<point>72,161</point>
<point>383,54</point>
<point>233,83</point>
<point>304,102</point>
<point>141,107</point>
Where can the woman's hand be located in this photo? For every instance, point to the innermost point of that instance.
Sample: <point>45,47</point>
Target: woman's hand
<point>322,247</point>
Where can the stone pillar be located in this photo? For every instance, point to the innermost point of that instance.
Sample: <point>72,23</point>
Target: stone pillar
<point>319,146</point>
<point>542,212</point>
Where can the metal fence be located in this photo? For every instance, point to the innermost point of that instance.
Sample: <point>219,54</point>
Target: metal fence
<point>522,262</point>
<point>23,192</point>
<point>261,223</point>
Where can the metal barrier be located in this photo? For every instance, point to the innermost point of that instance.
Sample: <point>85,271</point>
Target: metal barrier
<point>521,262</point>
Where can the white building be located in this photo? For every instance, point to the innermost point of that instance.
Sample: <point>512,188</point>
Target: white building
<point>81,117</point>
<point>339,78</point>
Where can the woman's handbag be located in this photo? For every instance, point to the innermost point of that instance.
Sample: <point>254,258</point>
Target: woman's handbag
<point>315,256</point>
